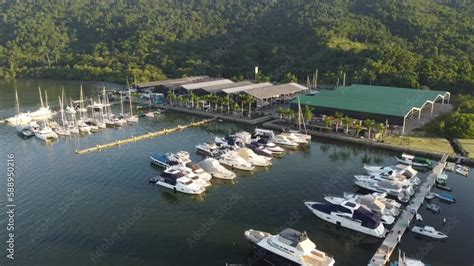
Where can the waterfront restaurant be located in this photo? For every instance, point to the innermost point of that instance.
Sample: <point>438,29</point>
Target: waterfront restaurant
<point>405,107</point>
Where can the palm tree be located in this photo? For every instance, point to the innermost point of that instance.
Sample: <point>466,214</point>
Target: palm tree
<point>171,97</point>
<point>281,112</point>
<point>291,114</point>
<point>358,128</point>
<point>250,100</point>
<point>338,118</point>
<point>308,113</point>
<point>227,101</point>
<point>381,128</point>
<point>348,122</point>
<point>328,121</point>
<point>369,123</point>
<point>242,98</point>
<point>193,99</point>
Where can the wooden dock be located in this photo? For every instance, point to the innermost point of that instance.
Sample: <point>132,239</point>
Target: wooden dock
<point>382,255</point>
<point>142,137</point>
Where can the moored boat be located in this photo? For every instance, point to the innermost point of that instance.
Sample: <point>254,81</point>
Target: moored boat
<point>213,167</point>
<point>415,160</point>
<point>428,231</point>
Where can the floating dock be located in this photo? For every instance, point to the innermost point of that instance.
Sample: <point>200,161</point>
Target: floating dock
<point>382,255</point>
<point>142,137</point>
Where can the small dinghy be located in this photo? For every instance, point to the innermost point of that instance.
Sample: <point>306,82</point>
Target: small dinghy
<point>462,170</point>
<point>428,231</point>
<point>434,208</point>
<point>446,197</point>
<point>443,187</point>
<point>430,196</point>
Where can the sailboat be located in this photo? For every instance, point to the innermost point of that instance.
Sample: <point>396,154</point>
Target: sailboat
<point>63,129</point>
<point>100,122</point>
<point>150,113</point>
<point>131,118</point>
<point>20,118</point>
<point>81,123</point>
<point>45,132</point>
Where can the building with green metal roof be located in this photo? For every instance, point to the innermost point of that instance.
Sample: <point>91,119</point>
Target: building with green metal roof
<point>383,104</point>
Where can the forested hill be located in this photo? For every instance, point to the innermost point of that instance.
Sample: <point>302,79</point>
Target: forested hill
<point>414,43</point>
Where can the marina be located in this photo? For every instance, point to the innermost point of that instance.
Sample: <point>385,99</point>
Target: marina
<point>110,188</point>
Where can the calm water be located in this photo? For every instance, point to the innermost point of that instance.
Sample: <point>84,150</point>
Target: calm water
<point>98,208</point>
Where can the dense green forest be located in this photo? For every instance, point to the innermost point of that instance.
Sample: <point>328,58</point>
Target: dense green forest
<point>414,43</point>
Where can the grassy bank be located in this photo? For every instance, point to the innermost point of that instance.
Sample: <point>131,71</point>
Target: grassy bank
<point>468,145</point>
<point>439,145</point>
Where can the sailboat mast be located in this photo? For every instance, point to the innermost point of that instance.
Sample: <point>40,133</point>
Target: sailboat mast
<point>17,103</point>
<point>41,97</point>
<point>299,114</point>
<point>46,97</point>
<point>130,98</point>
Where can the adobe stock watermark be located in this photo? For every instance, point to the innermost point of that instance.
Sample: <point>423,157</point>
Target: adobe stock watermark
<point>45,224</point>
<point>10,206</point>
<point>206,226</point>
<point>120,230</point>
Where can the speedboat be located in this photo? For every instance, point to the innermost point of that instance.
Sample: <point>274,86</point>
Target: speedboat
<point>267,144</point>
<point>232,159</point>
<point>166,160</point>
<point>428,231</point>
<point>213,167</point>
<point>462,170</point>
<point>289,247</point>
<point>83,127</point>
<point>177,181</point>
<point>189,173</point>
<point>374,205</point>
<point>385,177</point>
<point>150,114</point>
<point>350,215</point>
<point>253,158</point>
<point>132,119</point>
<point>46,133</point>
<point>260,150</point>
<point>265,133</point>
<point>392,189</point>
<point>434,208</point>
<point>208,148</point>
<point>284,141</point>
<point>446,197</point>
<point>244,137</point>
<point>301,140</point>
<point>430,196</point>
<point>371,170</point>
<point>19,119</point>
<point>415,161</point>
<point>300,134</point>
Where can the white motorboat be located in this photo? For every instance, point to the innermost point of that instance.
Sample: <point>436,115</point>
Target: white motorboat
<point>272,147</point>
<point>289,247</point>
<point>374,169</point>
<point>300,134</point>
<point>409,159</point>
<point>177,181</point>
<point>284,141</point>
<point>189,173</point>
<point>213,167</point>
<point>83,127</point>
<point>398,171</point>
<point>428,231</point>
<point>199,171</point>
<point>298,138</point>
<point>390,206</point>
<point>265,133</point>
<point>385,177</point>
<point>232,159</point>
<point>392,189</point>
<point>350,215</point>
<point>244,137</point>
<point>253,158</point>
<point>374,205</point>
<point>150,114</point>
<point>131,118</point>
<point>208,148</point>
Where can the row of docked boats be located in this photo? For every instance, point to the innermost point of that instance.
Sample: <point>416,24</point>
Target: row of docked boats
<point>76,118</point>
<point>241,151</point>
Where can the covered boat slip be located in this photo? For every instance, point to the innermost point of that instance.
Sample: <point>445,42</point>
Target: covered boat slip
<point>384,104</point>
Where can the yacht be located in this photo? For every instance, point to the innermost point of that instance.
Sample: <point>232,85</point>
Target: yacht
<point>166,160</point>
<point>428,231</point>
<point>131,118</point>
<point>244,137</point>
<point>392,189</point>
<point>177,181</point>
<point>83,127</point>
<point>350,215</point>
<point>301,140</point>
<point>275,149</point>
<point>208,148</point>
<point>374,205</point>
<point>395,178</point>
<point>373,169</point>
<point>232,159</point>
<point>199,171</point>
<point>289,247</point>
<point>260,150</point>
<point>253,158</point>
<point>264,133</point>
<point>189,173</point>
<point>415,161</point>
<point>387,206</point>
<point>398,171</point>
<point>213,167</point>
<point>284,141</point>
<point>300,134</point>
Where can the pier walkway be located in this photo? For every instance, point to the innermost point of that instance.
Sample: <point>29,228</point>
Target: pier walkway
<point>382,255</point>
<point>142,137</point>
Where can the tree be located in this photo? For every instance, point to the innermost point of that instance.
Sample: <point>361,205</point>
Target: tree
<point>348,121</point>
<point>381,128</point>
<point>308,113</point>
<point>338,119</point>
<point>171,97</point>
<point>328,121</point>
<point>369,123</point>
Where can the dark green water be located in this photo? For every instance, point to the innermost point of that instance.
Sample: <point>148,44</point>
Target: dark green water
<point>98,209</point>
